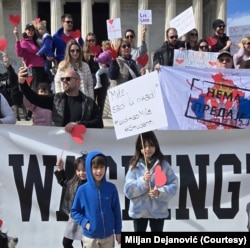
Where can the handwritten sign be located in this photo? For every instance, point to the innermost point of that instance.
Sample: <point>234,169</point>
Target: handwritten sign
<point>114,28</point>
<point>137,106</point>
<point>184,22</point>
<point>236,33</point>
<point>144,16</point>
<point>194,59</point>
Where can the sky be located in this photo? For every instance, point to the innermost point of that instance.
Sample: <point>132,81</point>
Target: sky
<point>238,13</point>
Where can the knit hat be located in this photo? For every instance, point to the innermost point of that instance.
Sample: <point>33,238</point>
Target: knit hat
<point>29,25</point>
<point>217,23</point>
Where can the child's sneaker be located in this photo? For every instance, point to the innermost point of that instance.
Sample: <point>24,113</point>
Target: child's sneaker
<point>98,86</point>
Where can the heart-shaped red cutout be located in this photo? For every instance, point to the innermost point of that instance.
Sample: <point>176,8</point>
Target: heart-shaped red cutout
<point>14,19</point>
<point>160,177</point>
<point>212,63</point>
<point>211,41</point>
<point>95,49</point>
<point>179,61</point>
<point>66,38</point>
<point>29,79</point>
<point>75,34</point>
<point>37,20</point>
<point>143,60</point>
<point>111,21</point>
<point>3,44</point>
<point>1,223</point>
<point>77,133</point>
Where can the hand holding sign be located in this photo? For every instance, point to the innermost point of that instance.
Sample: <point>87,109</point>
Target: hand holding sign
<point>14,19</point>
<point>160,176</point>
<point>77,133</point>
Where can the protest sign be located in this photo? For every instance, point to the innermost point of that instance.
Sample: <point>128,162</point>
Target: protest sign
<point>144,16</point>
<point>114,28</point>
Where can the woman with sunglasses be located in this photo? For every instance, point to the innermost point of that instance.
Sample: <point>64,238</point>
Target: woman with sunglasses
<point>192,39</point>
<point>73,60</point>
<point>202,46</point>
<point>244,52</point>
<point>90,52</point>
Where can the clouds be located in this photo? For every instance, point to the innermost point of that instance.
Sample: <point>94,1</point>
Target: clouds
<point>238,19</point>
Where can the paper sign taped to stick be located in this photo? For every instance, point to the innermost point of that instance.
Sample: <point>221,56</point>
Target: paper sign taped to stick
<point>144,16</point>
<point>114,28</point>
<point>137,106</point>
<point>184,22</point>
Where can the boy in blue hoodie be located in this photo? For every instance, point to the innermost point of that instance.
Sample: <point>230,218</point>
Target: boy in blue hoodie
<point>96,206</point>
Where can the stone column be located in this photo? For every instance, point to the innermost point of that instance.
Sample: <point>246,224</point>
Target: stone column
<point>222,10</point>
<point>87,17</point>
<point>198,16</point>
<point>170,13</point>
<point>2,22</point>
<point>56,7</point>
<point>114,12</point>
<point>26,13</point>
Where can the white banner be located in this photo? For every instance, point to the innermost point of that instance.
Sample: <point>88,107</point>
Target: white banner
<point>197,99</point>
<point>213,170</point>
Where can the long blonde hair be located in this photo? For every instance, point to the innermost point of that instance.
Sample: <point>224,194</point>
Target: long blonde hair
<point>86,47</point>
<point>67,58</point>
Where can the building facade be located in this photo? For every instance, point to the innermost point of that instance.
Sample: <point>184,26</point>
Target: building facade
<point>91,16</point>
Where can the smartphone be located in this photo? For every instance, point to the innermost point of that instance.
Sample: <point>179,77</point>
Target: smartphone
<point>29,72</point>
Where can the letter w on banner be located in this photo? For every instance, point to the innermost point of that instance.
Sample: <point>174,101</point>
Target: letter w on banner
<point>208,99</point>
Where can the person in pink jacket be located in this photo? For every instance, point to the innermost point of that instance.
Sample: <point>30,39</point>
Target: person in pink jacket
<point>41,116</point>
<point>27,48</point>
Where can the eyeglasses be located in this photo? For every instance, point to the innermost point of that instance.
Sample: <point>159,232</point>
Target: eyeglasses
<point>91,40</point>
<point>194,34</point>
<point>75,50</point>
<point>130,36</point>
<point>126,46</point>
<point>222,26</point>
<point>69,22</point>
<point>67,78</point>
<point>203,47</point>
<point>173,37</point>
<point>227,60</point>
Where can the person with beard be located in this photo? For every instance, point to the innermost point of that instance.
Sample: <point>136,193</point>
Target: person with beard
<point>165,54</point>
<point>70,107</point>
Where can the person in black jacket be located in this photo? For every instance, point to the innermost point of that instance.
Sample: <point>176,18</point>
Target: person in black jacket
<point>70,107</point>
<point>165,54</point>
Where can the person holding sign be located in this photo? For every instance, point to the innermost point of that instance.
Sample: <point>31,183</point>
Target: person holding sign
<point>165,54</point>
<point>149,185</point>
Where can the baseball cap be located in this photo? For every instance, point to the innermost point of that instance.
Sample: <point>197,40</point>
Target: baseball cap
<point>224,53</point>
<point>29,25</point>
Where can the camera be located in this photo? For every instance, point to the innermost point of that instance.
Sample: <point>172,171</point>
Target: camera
<point>29,72</point>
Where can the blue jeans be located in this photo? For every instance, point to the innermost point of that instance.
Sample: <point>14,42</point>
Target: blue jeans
<point>47,67</point>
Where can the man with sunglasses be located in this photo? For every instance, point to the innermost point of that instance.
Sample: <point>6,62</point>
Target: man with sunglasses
<point>224,60</point>
<point>220,41</point>
<point>70,107</point>
<point>165,54</point>
<point>59,43</point>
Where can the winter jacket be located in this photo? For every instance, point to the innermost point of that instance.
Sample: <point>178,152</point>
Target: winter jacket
<point>136,190</point>
<point>104,57</point>
<point>90,115</point>
<point>27,49</point>
<point>98,206</point>
<point>59,45</point>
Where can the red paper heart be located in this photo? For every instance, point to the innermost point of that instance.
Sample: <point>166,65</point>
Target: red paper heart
<point>160,177</point>
<point>37,20</point>
<point>77,133</point>
<point>212,63</point>
<point>211,41</point>
<point>143,60</point>
<point>29,79</point>
<point>14,19</point>
<point>95,49</point>
<point>3,44</point>
<point>111,21</point>
<point>75,34</point>
<point>1,223</point>
<point>179,61</point>
<point>66,38</point>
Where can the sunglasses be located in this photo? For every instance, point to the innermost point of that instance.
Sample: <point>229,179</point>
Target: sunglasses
<point>227,60</point>
<point>130,36</point>
<point>194,34</point>
<point>91,40</point>
<point>75,50</point>
<point>69,22</point>
<point>67,78</point>
<point>222,26</point>
<point>126,46</point>
<point>173,37</point>
<point>203,47</point>
<point>248,43</point>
